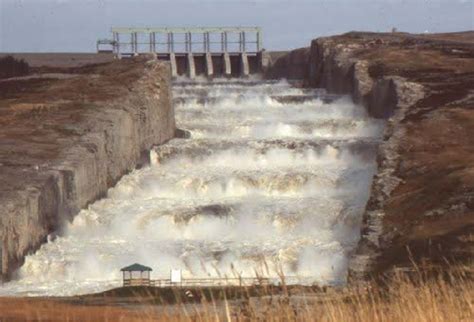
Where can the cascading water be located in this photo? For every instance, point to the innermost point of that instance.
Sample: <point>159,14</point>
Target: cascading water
<point>273,178</point>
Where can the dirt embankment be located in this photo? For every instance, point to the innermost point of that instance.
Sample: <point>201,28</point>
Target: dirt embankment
<point>422,201</point>
<point>67,134</point>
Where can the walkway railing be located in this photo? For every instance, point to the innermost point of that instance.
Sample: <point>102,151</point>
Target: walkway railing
<point>204,282</point>
<point>188,282</point>
<point>137,282</point>
<point>184,40</point>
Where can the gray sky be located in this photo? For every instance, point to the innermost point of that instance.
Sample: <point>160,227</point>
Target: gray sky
<point>75,25</point>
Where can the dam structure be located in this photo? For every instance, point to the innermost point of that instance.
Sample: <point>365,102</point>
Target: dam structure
<point>208,51</point>
<point>269,179</point>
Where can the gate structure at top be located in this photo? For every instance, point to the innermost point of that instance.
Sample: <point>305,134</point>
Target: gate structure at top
<point>207,50</point>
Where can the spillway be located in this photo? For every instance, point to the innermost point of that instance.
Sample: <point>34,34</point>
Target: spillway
<point>272,178</point>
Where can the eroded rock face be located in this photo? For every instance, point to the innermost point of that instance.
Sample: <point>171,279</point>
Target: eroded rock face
<point>292,65</point>
<point>67,141</point>
<point>421,207</point>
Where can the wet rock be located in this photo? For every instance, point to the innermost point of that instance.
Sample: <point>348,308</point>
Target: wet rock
<point>182,134</point>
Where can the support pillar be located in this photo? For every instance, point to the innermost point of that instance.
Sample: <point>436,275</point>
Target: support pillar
<point>244,61</point>
<point>135,44</point>
<point>259,41</point>
<point>208,56</point>
<point>152,42</point>
<point>240,43</point>
<point>207,42</point>
<point>170,42</point>
<point>244,65</point>
<point>191,66</point>
<point>244,47</point>
<point>225,42</point>
<point>222,42</point>
<point>117,46</point>
<point>174,67</point>
<point>227,67</point>
<point>189,42</point>
<point>209,67</point>
<point>114,45</point>
<point>186,41</point>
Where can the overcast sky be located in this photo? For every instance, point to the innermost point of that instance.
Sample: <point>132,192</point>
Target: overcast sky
<point>75,25</point>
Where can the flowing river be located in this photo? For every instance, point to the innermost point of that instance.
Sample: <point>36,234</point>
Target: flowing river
<point>273,179</point>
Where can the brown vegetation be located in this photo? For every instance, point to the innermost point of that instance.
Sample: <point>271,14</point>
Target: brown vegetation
<point>431,211</point>
<point>11,67</point>
<point>416,297</point>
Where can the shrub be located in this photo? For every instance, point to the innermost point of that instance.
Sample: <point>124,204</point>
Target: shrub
<point>12,67</point>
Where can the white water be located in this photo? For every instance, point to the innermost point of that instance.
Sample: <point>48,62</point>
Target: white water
<point>260,186</point>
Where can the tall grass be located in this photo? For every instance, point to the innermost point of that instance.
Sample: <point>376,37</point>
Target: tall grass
<point>419,297</point>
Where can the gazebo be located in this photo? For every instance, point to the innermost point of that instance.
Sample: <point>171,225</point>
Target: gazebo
<point>136,275</point>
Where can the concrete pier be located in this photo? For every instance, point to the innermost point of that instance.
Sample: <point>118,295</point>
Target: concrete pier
<point>191,66</point>
<point>174,67</point>
<point>209,66</point>
<point>244,65</point>
<point>227,70</point>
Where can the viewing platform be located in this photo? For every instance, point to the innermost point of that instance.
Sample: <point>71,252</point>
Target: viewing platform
<point>139,275</point>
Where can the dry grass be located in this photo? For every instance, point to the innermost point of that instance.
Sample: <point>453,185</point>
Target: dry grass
<point>49,310</point>
<point>445,297</point>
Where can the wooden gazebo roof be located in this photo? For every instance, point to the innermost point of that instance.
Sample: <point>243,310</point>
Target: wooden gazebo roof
<point>136,268</point>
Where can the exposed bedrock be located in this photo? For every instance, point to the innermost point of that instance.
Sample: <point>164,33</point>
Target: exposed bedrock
<point>421,207</point>
<point>291,65</point>
<point>70,139</point>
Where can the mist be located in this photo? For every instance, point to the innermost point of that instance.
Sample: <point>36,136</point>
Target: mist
<point>266,188</point>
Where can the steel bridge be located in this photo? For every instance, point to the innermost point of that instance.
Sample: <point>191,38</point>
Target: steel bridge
<point>208,51</point>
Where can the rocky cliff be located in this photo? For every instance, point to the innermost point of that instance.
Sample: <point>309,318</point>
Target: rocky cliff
<point>66,136</point>
<point>421,207</point>
<point>290,65</point>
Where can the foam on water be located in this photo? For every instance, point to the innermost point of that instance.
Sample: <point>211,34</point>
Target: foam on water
<point>260,186</point>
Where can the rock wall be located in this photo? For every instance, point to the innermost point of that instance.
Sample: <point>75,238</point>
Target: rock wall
<point>417,83</point>
<point>334,65</point>
<point>289,65</point>
<point>111,138</point>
